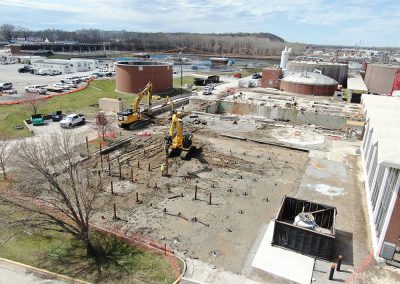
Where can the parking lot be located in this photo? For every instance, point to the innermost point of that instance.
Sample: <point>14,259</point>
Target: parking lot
<point>9,73</point>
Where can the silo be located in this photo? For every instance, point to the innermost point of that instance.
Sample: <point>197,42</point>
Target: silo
<point>285,57</point>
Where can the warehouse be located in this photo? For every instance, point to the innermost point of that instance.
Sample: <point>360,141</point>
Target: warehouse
<point>65,66</point>
<point>132,76</point>
<point>308,83</point>
<point>381,163</point>
<point>379,78</point>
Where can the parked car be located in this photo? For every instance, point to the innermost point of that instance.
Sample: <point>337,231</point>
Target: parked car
<point>10,92</point>
<point>62,85</point>
<point>237,75</point>
<point>40,89</point>
<point>43,72</point>
<point>72,120</point>
<point>37,119</point>
<point>55,72</point>
<point>57,116</point>
<point>256,76</point>
<point>97,74</point>
<point>71,84</point>
<point>26,69</point>
<point>5,86</point>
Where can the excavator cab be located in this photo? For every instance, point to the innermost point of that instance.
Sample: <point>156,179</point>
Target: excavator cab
<point>133,118</point>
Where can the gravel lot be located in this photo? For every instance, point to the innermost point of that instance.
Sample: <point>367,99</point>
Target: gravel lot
<point>9,73</point>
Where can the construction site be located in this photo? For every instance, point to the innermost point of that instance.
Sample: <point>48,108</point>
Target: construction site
<point>216,207</point>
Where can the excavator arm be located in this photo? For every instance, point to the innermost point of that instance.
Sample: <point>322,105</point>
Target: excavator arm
<point>147,90</point>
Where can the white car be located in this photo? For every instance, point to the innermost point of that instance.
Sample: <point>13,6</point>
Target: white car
<point>41,89</point>
<point>72,120</point>
<point>71,84</point>
<point>5,86</point>
<point>62,86</point>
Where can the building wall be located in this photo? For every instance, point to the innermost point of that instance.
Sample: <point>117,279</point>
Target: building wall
<point>393,231</point>
<point>316,90</point>
<point>379,79</point>
<point>270,78</point>
<point>133,78</point>
<point>382,189</point>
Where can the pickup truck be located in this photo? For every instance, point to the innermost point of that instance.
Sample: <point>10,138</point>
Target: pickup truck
<point>72,120</point>
<point>37,119</point>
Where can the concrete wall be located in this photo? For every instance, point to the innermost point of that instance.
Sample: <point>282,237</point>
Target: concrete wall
<point>325,120</point>
<point>109,104</point>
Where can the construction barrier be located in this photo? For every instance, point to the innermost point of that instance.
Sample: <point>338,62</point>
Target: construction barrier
<point>45,97</point>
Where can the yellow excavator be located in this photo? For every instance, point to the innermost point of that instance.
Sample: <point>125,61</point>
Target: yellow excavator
<point>134,118</point>
<point>178,142</point>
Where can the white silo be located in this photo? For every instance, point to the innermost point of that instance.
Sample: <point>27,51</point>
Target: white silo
<point>285,57</point>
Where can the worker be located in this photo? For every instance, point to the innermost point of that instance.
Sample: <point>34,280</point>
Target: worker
<point>162,169</point>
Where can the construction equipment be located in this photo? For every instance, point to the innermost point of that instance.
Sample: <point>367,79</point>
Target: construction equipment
<point>177,141</point>
<point>134,118</point>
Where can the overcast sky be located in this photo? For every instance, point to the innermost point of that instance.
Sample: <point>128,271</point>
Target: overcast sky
<point>347,22</point>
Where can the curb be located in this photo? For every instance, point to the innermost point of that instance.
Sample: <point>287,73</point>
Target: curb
<point>45,272</point>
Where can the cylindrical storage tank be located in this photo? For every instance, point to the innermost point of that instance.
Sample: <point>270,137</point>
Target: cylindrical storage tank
<point>309,84</point>
<point>132,76</point>
<point>285,57</point>
<point>336,71</point>
<point>379,78</point>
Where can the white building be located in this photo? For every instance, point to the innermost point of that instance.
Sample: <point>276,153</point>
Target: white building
<point>65,66</point>
<point>381,163</point>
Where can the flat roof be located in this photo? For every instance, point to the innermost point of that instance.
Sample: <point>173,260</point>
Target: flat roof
<point>392,66</point>
<point>356,83</point>
<point>383,115</point>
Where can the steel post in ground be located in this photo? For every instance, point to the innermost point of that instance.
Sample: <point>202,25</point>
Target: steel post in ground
<point>137,197</point>
<point>109,164</point>
<point>115,212</point>
<point>112,188</point>
<point>87,146</point>
<point>332,271</point>
<point>339,263</point>
<point>120,171</point>
<point>209,202</point>
<point>195,192</point>
<point>131,174</point>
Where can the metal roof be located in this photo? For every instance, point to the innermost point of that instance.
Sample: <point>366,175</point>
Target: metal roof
<point>309,78</point>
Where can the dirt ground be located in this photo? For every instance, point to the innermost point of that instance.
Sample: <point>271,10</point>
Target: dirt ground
<point>247,182</point>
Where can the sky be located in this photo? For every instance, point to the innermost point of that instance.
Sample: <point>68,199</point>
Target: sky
<point>340,22</point>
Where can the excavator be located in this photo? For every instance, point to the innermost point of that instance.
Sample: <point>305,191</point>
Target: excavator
<point>177,141</point>
<point>134,118</point>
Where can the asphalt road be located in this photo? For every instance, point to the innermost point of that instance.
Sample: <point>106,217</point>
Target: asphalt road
<point>11,273</point>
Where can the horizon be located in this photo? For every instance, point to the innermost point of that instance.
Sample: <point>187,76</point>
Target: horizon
<point>315,22</point>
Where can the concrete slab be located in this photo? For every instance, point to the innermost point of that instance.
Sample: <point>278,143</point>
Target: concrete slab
<point>281,262</point>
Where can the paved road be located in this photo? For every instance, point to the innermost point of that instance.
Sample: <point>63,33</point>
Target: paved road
<point>11,273</point>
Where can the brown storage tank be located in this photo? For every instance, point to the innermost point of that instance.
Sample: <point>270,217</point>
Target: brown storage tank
<point>270,78</point>
<point>379,78</point>
<point>309,84</point>
<point>132,76</point>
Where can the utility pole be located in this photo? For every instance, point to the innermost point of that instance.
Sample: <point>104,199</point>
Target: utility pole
<point>181,58</point>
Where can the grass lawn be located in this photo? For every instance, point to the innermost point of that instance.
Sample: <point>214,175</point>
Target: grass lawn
<point>185,80</point>
<point>60,253</point>
<point>85,101</point>
<point>250,71</point>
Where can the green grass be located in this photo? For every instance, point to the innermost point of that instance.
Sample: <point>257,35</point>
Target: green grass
<point>250,71</point>
<point>59,56</point>
<point>185,80</point>
<point>85,101</point>
<point>59,253</point>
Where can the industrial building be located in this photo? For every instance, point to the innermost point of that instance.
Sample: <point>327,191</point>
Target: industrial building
<point>132,76</point>
<point>44,48</point>
<point>308,83</point>
<point>379,78</point>
<point>271,78</point>
<point>381,164</point>
<point>336,71</point>
<point>65,66</point>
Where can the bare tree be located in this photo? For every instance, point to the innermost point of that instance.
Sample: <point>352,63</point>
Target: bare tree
<point>56,191</point>
<point>24,32</point>
<point>33,102</point>
<point>8,31</point>
<point>4,155</point>
<point>103,123</point>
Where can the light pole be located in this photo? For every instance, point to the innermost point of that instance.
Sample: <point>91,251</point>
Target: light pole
<point>180,57</point>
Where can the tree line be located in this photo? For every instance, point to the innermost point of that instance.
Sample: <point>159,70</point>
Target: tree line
<point>261,44</point>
